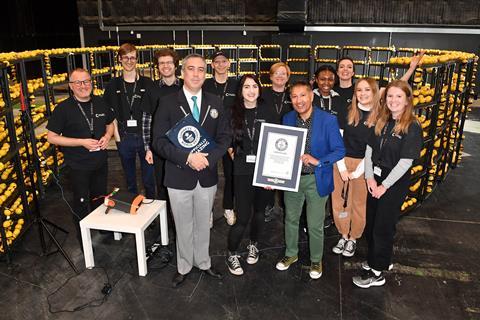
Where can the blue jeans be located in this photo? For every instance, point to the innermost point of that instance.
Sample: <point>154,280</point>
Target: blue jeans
<point>128,148</point>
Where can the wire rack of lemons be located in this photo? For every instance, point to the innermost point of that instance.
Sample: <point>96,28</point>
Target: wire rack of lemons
<point>443,86</point>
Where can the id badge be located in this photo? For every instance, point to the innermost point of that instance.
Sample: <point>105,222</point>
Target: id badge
<point>131,123</point>
<point>343,214</point>
<point>251,158</point>
<point>377,171</point>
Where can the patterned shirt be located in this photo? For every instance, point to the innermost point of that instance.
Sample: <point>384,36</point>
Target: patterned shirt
<point>306,124</point>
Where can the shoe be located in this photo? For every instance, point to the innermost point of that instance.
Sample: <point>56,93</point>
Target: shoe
<point>349,250</point>
<point>234,265</point>
<point>286,262</point>
<point>340,247</point>
<point>212,273</point>
<point>211,220</point>
<point>252,253</point>
<point>369,279</point>
<point>315,270</point>
<point>230,217</point>
<point>365,266</point>
<point>178,279</point>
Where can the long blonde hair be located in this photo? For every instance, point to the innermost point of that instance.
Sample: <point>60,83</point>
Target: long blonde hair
<point>354,112</point>
<point>407,117</point>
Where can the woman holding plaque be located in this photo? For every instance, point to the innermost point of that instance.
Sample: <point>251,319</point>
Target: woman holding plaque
<point>248,113</point>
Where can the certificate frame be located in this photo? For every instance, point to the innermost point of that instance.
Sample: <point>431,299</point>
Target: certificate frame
<point>278,164</point>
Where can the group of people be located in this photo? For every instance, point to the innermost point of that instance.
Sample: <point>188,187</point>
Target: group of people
<point>360,144</point>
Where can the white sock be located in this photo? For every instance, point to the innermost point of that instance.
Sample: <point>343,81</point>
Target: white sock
<point>377,273</point>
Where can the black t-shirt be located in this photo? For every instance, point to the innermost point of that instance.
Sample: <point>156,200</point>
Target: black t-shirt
<point>334,105</point>
<point>159,90</point>
<point>389,148</point>
<point>345,93</point>
<point>278,103</point>
<point>226,91</point>
<point>68,120</point>
<point>254,119</point>
<point>355,138</point>
<point>127,104</point>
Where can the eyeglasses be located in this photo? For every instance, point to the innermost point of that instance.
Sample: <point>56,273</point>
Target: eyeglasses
<point>125,58</point>
<point>79,83</point>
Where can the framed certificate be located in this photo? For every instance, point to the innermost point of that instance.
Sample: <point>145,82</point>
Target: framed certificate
<point>278,162</point>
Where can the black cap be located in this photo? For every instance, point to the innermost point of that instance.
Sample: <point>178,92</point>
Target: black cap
<point>217,54</point>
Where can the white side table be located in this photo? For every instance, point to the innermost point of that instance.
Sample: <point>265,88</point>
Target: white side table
<point>118,222</point>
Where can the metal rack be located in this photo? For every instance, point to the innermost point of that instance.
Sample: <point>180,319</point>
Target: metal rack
<point>299,59</point>
<point>269,54</point>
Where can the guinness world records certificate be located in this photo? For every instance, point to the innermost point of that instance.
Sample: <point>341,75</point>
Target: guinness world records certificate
<point>278,162</point>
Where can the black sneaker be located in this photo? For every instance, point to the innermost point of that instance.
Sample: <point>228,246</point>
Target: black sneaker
<point>369,279</point>
<point>234,265</point>
<point>349,250</point>
<point>253,253</point>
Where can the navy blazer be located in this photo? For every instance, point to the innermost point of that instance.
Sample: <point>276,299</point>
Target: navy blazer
<point>178,174</point>
<point>326,146</point>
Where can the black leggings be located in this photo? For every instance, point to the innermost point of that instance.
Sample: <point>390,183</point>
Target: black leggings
<point>247,197</point>
<point>87,185</point>
<point>382,217</point>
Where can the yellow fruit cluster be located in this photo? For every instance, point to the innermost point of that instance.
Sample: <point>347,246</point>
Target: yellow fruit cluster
<point>409,201</point>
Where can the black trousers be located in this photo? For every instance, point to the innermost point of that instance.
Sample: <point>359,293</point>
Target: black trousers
<point>159,164</point>
<point>382,218</point>
<point>228,192</point>
<point>250,205</point>
<point>86,186</point>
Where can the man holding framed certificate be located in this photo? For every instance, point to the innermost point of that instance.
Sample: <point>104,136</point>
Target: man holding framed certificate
<point>191,177</point>
<point>323,147</point>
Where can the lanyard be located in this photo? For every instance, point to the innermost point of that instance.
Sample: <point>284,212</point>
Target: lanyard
<point>279,108</point>
<point>329,103</point>
<point>222,96</point>
<point>130,102</point>
<point>251,134</point>
<point>385,136</point>
<point>345,194</point>
<point>89,122</point>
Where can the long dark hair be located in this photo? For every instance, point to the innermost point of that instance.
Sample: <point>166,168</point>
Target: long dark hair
<point>238,110</point>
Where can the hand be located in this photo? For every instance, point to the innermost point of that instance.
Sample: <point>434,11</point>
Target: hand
<point>268,188</point>
<point>371,185</point>
<point>149,157</point>
<point>345,175</point>
<point>103,142</point>
<point>197,161</point>
<point>90,144</point>
<point>309,160</point>
<point>417,59</point>
<point>231,153</point>
<point>378,193</point>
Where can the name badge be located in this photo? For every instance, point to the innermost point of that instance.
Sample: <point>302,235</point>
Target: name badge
<point>131,123</point>
<point>377,171</point>
<point>251,158</point>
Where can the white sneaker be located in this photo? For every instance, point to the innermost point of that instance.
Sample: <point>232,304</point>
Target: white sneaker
<point>230,217</point>
<point>252,253</point>
<point>349,250</point>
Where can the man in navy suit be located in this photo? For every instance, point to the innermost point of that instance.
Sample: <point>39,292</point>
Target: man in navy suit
<point>323,147</point>
<point>191,178</point>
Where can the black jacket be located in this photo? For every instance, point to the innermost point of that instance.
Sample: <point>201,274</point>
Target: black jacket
<point>178,174</point>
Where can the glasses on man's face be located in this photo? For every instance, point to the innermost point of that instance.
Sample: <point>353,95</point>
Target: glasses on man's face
<point>79,83</point>
<point>125,58</point>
